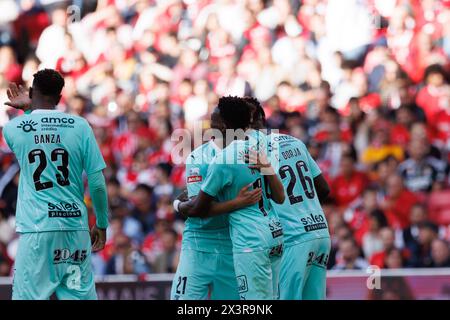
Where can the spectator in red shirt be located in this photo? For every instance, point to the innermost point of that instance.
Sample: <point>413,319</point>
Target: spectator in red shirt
<point>188,66</point>
<point>400,130</point>
<point>393,259</point>
<point>73,62</point>
<point>30,23</point>
<point>349,184</point>
<point>125,144</point>
<point>5,262</point>
<point>433,97</point>
<point>358,217</point>
<point>152,245</point>
<point>9,68</point>
<point>398,202</point>
<point>387,236</point>
<point>441,127</point>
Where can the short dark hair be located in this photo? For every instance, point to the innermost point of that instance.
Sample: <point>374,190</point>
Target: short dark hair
<point>371,188</point>
<point>165,167</point>
<point>49,82</point>
<point>351,240</point>
<point>429,225</point>
<point>350,154</point>
<point>235,112</point>
<point>114,181</point>
<point>259,111</point>
<point>435,69</point>
<point>380,217</point>
<point>144,187</point>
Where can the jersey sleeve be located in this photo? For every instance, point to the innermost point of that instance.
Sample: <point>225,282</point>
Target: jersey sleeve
<point>92,157</point>
<point>217,178</point>
<point>194,178</point>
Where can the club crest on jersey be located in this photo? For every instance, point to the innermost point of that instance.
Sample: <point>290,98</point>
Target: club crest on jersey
<point>27,125</point>
<point>194,175</point>
<point>194,172</point>
<point>242,283</point>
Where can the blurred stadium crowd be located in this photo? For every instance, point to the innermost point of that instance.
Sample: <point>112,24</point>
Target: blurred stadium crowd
<point>364,83</point>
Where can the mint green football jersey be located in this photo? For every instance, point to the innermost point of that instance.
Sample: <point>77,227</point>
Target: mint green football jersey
<point>301,214</point>
<point>210,234</point>
<point>256,227</point>
<point>53,149</point>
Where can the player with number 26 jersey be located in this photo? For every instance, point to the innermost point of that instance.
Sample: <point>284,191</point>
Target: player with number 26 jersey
<point>306,235</point>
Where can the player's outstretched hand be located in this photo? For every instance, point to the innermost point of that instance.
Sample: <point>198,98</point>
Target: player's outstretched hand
<point>18,97</point>
<point>98,238</point>
<point>248,197</point>
<point>259,161</point>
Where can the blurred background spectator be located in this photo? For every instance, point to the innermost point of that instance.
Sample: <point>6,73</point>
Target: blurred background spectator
<point>364,83</point>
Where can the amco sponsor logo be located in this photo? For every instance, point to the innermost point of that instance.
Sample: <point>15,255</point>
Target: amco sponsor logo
<point>57,120</point>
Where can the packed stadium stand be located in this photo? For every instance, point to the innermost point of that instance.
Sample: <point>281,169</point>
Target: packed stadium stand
<point>369,95</point>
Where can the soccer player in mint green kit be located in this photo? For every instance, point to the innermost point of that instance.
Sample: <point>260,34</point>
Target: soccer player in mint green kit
<point>255,231</point>
<point>206,260</point>
<point>53,149</point>
<point>306,235</point>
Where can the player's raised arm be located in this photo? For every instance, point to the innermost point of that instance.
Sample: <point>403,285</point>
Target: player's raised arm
<point>19,97</point>
<point>259,161</point>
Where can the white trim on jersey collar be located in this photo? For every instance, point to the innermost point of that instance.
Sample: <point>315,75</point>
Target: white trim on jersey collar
<point>45,111</point>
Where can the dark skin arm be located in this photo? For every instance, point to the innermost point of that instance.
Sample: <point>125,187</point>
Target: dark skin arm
<point>322,187</point>
<point>98,238</point>
<point>276,187</point>
<point>205,206</point>
<point>260,162</point>
<point>18,97</point>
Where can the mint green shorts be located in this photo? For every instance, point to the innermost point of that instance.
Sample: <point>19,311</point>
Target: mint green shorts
<point>54,262</point>
<point>257,274</point>
<point>304,269</point>
<point>203,275</point>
